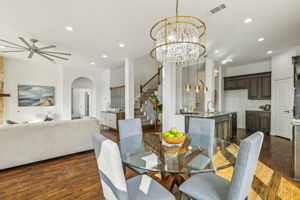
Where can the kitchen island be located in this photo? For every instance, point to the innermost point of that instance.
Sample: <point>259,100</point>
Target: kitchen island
<point>225,127</point>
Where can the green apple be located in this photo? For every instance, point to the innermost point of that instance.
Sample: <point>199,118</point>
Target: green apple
<point>171,135</point>
<point>173,130</point>
<point>179,134</point>
<point>167,133</point>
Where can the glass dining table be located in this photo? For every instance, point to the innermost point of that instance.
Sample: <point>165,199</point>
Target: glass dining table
<point>197,154</point>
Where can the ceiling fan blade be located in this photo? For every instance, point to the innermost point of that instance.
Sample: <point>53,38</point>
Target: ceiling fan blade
<point>46,57</point>
<point>11,47</point>
<point>25,42</point>
<point>13,51</point>
<point>48,47</point>
<point>54,56</point>
<point>30,54</point>
<point>13,44</point>
<point>52,52</point>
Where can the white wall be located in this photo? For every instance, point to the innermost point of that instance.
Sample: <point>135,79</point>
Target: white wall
<point>19,72</point>
<point>237,100</point>
<point>117,76</point>
<point>252,68</point>
<point>144,68</point>
<point>101,91</point>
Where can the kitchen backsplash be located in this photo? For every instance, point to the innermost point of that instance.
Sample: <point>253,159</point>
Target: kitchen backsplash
<point>237,100</point>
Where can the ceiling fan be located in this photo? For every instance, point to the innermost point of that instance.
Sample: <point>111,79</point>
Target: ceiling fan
<point>32,49</point>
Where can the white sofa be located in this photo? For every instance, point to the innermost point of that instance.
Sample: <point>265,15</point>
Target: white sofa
<point>27,143</point>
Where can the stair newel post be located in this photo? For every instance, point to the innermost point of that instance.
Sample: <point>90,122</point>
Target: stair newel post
<point>158,76</point>
<point>141,92</point>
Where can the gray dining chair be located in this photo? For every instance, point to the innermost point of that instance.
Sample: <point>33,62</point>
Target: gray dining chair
<point>213,187</point>
<point>112,177</point>
<point>205,130</point>
<point>129,128</point>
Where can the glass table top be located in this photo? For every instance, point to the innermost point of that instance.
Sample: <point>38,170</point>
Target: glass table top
<point>196,154</point>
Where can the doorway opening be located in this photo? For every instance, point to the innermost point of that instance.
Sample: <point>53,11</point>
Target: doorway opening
<point>82,90</point>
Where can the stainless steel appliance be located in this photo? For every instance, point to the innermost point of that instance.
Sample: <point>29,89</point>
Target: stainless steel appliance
<point>296,120</point>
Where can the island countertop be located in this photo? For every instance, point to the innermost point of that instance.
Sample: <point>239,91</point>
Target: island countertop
<point>205,114</point>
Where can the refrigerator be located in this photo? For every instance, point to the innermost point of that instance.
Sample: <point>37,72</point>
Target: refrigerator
<point>296,120</point>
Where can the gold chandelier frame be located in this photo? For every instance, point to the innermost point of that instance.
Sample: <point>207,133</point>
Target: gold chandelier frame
<point>194,21</point>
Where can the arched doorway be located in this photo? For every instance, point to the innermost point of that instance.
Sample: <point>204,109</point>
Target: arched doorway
<point>82,90</point>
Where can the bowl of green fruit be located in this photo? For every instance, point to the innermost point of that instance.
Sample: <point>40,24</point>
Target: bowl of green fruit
<point>173,136</point>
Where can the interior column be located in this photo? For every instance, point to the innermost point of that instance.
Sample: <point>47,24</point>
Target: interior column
<point>209,81</point>
<point>169,95</point>
<point>129,88</point>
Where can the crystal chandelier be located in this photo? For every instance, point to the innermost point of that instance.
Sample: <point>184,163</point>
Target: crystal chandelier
<point>178,39</point>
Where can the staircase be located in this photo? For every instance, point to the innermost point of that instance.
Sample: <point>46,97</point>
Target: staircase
<point>143,107</point>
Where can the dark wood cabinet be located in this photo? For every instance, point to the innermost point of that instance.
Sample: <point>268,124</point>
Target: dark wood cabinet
<point>237,83</point>
<point>258,85</point>
<point>258,121</point>
<point>266,86</point>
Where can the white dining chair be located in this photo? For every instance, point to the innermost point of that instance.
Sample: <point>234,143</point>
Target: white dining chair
<point>213,187</point>
<point>129,128</point>
<point>113,182</point>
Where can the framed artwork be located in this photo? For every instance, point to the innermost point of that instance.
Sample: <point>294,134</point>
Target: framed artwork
<point>31,95</point>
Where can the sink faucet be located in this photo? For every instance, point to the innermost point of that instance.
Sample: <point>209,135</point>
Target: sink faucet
<point>208,103</point>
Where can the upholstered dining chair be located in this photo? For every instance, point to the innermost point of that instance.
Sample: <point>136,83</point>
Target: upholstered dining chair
<point>129,128</point>
<point>112,177</point>
<point>205,130</point>
<point>213,187</point>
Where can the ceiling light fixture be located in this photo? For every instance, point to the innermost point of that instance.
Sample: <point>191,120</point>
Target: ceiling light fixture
<point>121,45</point>
<point>188,86</point>
<point>93,63</point>
<point>32,48</point>
<point>216,51</point>
<point>225,61</point>
<point>104,56</point>
<point>269,52</point>
<point>260,39</point>
<point>178,39</point>
<point>69,28</point>
<point>248,20</point>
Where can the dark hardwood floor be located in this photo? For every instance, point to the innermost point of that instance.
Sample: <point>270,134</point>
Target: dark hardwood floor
<point>76,176</point>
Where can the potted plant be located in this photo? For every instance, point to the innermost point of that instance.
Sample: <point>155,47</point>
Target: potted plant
<point>157,107</point>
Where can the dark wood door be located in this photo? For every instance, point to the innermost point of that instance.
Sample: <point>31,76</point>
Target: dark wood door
<point>266,87</point>
<point>254,88</point>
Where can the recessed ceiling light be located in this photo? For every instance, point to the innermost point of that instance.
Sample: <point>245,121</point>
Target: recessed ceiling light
<point>104,56</point>
<point>216,51</point>
<point>248,20</point>
<point>121,45</point>
<point>269,52</point>
<point>69,28</point>
<point>2,47</point>
<point>225,61</point>
<point>93,63</point>
<point>260,39</point>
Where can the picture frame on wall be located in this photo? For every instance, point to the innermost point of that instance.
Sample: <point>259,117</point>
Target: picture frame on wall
<point>35,95</point>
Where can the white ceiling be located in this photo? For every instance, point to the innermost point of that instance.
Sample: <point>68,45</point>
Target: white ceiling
<point>99,26</point>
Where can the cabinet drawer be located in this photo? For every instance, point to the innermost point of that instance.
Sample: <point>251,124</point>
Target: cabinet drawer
<point>264,114</point>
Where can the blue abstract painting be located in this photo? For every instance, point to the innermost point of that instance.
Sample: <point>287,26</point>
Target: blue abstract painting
<point>29,95</point>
